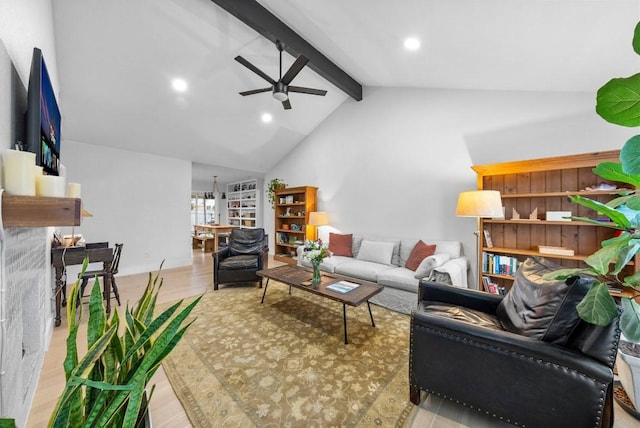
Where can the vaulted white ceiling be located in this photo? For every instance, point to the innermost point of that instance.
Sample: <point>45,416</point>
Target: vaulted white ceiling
<point>117,58</point>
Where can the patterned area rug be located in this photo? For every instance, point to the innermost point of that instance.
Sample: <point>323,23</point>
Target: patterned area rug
<point>284,364</point>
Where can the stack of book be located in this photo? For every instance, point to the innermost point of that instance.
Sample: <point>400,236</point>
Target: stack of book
<point>492,287</point>
<point>499,264</point>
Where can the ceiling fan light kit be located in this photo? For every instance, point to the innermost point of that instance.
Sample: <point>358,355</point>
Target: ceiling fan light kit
<point>280,89</point>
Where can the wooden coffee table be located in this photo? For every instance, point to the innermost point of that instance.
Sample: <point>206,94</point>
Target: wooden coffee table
<point>295,276</point>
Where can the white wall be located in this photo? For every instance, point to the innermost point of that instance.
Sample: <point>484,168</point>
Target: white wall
<point>138,199</point>
<point>23,26</point>
<point>394,163</point>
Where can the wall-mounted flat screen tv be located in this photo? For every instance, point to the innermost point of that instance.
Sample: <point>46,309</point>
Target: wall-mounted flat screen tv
<point>43,117</point>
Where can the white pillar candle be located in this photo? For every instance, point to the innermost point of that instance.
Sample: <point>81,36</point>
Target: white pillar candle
<point>50,185</point>
<point>19,178</point>
<point>73,190</point>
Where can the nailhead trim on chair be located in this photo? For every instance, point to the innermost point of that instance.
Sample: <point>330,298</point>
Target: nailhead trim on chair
<point>477,344</point>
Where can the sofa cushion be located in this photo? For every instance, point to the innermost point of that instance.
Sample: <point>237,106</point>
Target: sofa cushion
<point>361,269</point>
<point>376,252</point>
<point>400,278</point>
<point>418,254</point>
<point>540,308</point>
<point>395,258</point>
<point>429,263</point>
<point>340,245</point>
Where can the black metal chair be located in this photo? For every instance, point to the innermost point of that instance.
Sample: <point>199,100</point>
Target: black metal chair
<point>245,254</point>
<point>525,358</point>
<point>115,264</point>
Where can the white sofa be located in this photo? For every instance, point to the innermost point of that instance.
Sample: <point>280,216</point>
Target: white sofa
<point>400,283</point>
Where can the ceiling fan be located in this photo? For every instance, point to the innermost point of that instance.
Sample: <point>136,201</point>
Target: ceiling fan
<point>281,88</point>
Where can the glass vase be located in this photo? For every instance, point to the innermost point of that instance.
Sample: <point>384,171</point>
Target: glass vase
<point>316,273</point>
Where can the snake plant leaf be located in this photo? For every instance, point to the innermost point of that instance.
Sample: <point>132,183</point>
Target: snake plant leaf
<point>618,101</point>
<point>97,315</point>
<point>636,39</point>
<point>630,320</point>
<point>598,306</point>
<point>615,216</point>
<point>133,406</point>
<point>160,346</point>
<point>153,328</point>
<point>76,380</point>
<point>630,156</point>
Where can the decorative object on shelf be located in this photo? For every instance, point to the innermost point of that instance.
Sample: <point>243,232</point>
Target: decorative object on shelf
<point>19,172</point>
<point>318,219</point>
<point>515,215</point>
<point>558,216</point>
<point>274,185</point>
<point>549,249</point>
<point>487,238</point>
<point>289,199</point>
<point>315,252</point>
<point>115,370</point>
<point>617,103</point>
<point>74,190</point>
<point>295,227</point>
<point>479,203</point>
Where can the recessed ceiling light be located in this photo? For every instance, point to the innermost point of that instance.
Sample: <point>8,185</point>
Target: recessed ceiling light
<point>412,43</point>
<point>179,85</point>
<point>266,117</point>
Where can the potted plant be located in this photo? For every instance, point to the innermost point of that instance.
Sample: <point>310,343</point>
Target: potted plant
<point>618,102</point>
<point>107,386</point>
<point>274,185</point>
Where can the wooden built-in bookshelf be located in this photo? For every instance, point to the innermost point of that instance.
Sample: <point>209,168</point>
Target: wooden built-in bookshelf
<point>292,208</point>
<point>544,184</point>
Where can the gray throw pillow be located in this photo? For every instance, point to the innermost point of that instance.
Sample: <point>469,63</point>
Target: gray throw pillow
<point>539,308</point>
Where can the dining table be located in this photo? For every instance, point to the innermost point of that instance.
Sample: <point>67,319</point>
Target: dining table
<point>216,230</point>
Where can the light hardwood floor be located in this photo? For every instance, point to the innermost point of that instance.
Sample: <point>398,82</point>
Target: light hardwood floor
<point>167,411</point>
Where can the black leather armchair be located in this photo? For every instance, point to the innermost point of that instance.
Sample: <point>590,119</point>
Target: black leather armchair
<point>480,350</point>
<point>246,253</point>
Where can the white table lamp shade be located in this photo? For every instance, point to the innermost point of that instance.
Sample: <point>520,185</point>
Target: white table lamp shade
<point>318,218</point>
<point>480,203</point>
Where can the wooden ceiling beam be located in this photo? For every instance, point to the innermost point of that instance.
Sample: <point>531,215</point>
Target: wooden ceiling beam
<point>265,23</point>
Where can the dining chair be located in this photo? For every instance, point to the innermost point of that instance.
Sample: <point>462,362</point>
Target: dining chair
<point>115,263</point>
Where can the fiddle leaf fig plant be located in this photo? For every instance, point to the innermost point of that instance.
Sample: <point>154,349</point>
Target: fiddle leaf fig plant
<point>618,102</point>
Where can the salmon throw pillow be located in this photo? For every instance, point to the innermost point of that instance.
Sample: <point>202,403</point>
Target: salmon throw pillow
<point>340,245</point>
<point>420,252</point>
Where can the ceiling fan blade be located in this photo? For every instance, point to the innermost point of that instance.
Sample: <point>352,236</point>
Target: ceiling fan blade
<point>254,91</point>
<point>254,69</point>
<point>311,91</point>
<point>286,104</point>
<point>294,69</point>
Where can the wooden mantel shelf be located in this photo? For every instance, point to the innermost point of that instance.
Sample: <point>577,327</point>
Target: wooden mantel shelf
<point>32,211</point>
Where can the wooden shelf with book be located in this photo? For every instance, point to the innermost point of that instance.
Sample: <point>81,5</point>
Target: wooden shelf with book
<point>540,186</point>
<point>292,208</point>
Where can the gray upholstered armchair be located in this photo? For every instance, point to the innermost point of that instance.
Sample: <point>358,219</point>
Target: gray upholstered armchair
<point>246,253</point>
<point>525,358</point>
